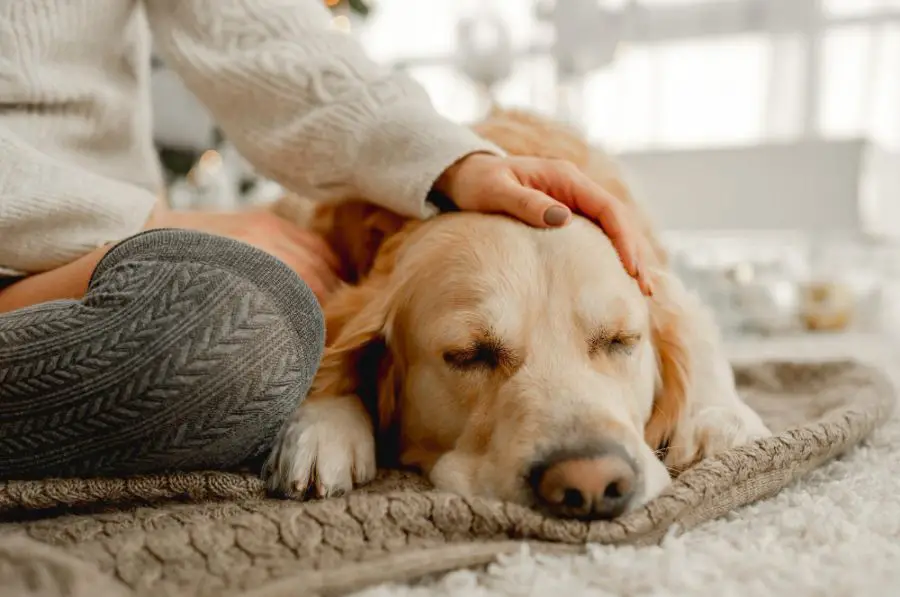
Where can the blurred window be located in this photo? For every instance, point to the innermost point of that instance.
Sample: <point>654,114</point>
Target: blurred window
<point>704,90</point>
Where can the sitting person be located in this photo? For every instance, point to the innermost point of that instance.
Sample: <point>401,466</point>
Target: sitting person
<point>135,339</point>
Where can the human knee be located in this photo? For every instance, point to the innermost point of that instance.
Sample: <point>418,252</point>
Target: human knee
<point>269,357</point>
<point>189,351</point>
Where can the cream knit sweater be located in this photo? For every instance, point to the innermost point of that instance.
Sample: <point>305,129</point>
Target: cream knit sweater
<point>301,102</point>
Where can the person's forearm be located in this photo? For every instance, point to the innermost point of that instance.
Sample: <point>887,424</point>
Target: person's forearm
<point>52,213</point>
<point>305,105</point>
<point>67,282</point>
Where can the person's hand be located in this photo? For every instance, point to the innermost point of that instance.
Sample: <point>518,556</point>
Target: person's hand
<point>301,250</point>
<point>543,193</point>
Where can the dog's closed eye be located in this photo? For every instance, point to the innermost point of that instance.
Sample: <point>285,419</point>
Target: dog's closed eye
<point>479,354</point>
<point>604,340</point>
<point>486,352</point>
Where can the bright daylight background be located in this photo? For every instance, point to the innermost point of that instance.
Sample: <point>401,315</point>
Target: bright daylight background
<point>763,135</point>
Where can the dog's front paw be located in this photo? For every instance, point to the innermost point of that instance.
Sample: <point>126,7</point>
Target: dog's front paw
<point>326,448</point>
<point>715,430</point>
<point>722,429</point>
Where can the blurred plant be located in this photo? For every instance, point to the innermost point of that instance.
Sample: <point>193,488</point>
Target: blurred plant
<point>358,7</point>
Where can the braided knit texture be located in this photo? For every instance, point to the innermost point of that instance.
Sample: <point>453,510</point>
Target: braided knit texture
<point>217,533</point>
<point>187,353</point>
<point>300,100</point>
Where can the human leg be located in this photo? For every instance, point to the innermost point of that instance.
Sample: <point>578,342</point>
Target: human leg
<point>187,352</point>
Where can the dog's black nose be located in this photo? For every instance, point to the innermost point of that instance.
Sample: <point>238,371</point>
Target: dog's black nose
<point>597,482</point>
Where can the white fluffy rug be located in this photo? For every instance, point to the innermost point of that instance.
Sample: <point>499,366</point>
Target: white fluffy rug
<point>835,534</point>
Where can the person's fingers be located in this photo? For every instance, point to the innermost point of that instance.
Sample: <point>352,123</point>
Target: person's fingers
<point>636,257</point>
<point>326,273</point>
<point>596,203</point>
<point>308,263</point>
<point>643,250</point>
<point>529,205</point>
<point>543,193</point>
<point>613,223</point>
<point>318,287</point>
<point>297,255</point>
<point>575,189</point>
<point>321,280</point>
<point>311,242</point>
<point>332,280</point>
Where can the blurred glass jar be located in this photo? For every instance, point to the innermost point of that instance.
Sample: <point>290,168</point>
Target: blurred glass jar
<point>750,282</point>
<point>767,297</point>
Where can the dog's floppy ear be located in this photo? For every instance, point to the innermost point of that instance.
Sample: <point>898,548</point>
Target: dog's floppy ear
<point>358,359</point>
<point>669,338</point>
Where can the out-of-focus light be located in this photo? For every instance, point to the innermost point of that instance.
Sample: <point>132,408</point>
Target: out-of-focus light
<point>206,168</point>
<point>211,159</point>
<point>341,23</point>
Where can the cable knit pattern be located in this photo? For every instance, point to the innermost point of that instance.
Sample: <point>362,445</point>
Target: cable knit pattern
<point>188,352</point>
<point>231,540</point>
<point>301,102</point>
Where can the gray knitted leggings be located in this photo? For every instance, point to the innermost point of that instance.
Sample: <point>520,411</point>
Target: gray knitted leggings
<point>188,352</point>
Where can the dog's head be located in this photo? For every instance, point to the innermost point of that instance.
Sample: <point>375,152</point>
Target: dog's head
<point>504,360</point>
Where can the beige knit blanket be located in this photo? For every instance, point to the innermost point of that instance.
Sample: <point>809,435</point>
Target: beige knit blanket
<point>216,534</point>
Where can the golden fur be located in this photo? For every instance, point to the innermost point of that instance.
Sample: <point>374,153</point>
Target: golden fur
<point>575,353</point>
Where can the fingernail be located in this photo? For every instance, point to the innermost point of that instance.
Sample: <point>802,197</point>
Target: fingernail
<point>556,216</point>
<point>643,283</point>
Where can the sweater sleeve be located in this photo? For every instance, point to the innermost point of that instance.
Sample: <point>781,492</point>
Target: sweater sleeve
<point>305,106</point>
<point>52,212</point>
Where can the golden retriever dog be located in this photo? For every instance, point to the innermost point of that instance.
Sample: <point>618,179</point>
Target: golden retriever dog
<point>506,361</point>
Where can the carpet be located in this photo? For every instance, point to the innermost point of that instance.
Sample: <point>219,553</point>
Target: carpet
<point>214,534</point>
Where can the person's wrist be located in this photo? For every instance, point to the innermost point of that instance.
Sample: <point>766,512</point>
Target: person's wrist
<point>69,281</point>
<point>441,193</point>
<point>446,182</point>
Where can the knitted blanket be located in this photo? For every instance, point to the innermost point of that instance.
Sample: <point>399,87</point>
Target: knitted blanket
<point>205,534</point>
